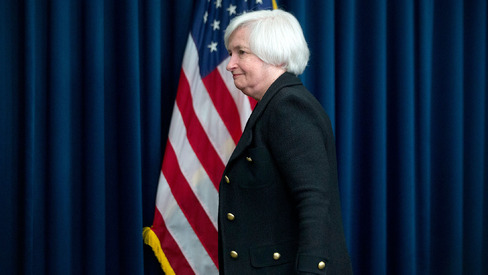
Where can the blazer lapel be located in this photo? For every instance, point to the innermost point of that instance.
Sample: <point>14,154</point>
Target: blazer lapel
<point>286,79</point>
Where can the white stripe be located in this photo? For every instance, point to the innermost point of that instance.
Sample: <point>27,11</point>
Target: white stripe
<point>181,231</point>
<point>190,166</point>
<point>202,104</point>
<point>241,100</point>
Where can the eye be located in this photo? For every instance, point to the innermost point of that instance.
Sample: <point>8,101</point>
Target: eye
<point>241,52</point>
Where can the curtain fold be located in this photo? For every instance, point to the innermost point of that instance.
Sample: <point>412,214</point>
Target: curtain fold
<point>475,133</point>
<point>84,113</point>
<point>93,168</point>
<point>87,91</point>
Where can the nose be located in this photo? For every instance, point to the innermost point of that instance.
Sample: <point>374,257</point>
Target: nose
<point>231,65</point>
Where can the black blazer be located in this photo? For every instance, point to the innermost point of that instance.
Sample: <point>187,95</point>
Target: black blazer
<point>279,207</point>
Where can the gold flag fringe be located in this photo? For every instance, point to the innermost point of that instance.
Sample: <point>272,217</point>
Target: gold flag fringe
<point>152,240</point>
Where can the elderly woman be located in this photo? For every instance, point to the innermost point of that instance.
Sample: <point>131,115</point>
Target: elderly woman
<point>279,210</point>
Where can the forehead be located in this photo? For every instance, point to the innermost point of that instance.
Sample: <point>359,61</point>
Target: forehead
<point>239,38</point>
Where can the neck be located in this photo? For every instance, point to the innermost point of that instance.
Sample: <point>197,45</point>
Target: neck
<point>273,75</point>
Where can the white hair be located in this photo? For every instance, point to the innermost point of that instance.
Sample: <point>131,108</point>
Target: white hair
<point>275,36</point>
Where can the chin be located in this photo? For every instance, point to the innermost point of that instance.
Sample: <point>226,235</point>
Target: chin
<point>246,92</point>
<point>240,87</point>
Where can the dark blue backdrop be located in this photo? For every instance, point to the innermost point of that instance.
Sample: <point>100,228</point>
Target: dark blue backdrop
<point>87,89</point>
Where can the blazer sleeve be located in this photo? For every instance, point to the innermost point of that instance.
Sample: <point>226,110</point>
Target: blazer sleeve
<point>299,138</point>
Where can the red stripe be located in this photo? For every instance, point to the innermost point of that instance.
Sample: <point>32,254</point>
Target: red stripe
<point>253,103</point>
<point>189,204</point>
<point>196,135</point>
<point>170,248</point>
<point>224,103</point>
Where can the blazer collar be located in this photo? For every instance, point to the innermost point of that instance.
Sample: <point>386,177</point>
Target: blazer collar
<point>285,80</point>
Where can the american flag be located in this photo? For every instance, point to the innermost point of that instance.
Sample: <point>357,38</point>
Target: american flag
<point>208,118</point>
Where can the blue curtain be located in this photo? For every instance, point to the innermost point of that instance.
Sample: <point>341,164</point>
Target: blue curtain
<point>405,83</point>
<point>87,89</point>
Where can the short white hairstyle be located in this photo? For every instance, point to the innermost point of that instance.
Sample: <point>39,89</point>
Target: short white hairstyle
<point>275,36</point>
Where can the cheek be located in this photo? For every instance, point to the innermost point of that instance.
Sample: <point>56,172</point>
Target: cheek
<point>254,75</point>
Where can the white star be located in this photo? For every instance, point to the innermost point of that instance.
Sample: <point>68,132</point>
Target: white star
<point>216,25</point>
<point>259,1</point>
<point>205,16</point>
<point>213,46</point>
<point>232,9</point>
<point>218,4</point>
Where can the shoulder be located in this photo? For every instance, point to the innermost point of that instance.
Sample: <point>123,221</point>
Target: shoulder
<point>289,88</point>
<point>297,100</point>
<point>294,108</point>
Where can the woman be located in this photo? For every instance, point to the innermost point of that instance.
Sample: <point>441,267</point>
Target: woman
<point>279,206</point>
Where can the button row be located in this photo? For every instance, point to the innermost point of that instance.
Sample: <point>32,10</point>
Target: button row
<point>276,256</point>
<point>227,179</point>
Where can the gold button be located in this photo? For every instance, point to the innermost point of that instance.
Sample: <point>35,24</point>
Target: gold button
<point>276,256</point>
<point>234,254</point>
<point>249,159</point>
<point>230,216</point>
<point>227,179</point>
<point>321,265</point>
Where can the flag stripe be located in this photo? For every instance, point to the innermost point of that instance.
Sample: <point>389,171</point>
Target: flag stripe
<point>224,103</point>
<point>192,169</point>
<point>183,234</point>
<point>169,245</point>
<point>188,203</point>
<point>252,102</point>
<point>196,135</point>
<point>209,118</point>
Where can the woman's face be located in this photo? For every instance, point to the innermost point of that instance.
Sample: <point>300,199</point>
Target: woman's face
<point>251,75</point>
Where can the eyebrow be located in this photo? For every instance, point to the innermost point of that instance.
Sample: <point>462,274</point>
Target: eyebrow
<point>239,47</point>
